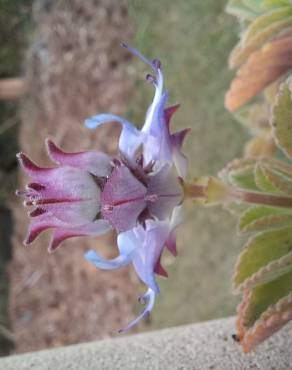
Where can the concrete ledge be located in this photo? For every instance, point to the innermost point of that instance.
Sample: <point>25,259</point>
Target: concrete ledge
<point>203,346</point>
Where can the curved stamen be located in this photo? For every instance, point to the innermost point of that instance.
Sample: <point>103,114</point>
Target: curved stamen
<point>148,297</point>
<point>135,52</point>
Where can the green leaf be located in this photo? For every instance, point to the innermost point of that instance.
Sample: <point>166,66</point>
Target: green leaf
<point>278,179</point>
<point>260,218</point>
<point>262,181</point>
<point>265,21</point>
<point>279,165</point>
<point>282,119</point>
<point>243,178</point>
<point>263,296</point>
<point>265,66</point>
<point>271,320</point>
<point>240,172</point>
<point>259,252</point>
<point>260,31</point>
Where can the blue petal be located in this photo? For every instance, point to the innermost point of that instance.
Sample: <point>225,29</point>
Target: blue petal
<point>115,263</point>
<point>156,140</point>
<point>130,138</point>
<point>157,144</point>
<point>149,296</point>
<point>156,108</point>
<point>127,245</point>
<point>128,241</point>
<point>144,259</point>
<point>148,245</point>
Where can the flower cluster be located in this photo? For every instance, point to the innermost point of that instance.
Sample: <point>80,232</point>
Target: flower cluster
<point>138,194</point>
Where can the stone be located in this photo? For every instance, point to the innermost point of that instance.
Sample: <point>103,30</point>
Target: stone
<point>203,346</point>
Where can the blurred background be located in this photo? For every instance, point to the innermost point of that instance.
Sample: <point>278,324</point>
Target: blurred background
<point>66,64</point>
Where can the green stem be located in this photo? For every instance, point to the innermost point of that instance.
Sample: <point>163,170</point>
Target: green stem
<point>238,194</point>
<point>260,198</point>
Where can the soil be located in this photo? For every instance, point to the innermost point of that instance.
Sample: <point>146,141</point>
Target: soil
<point>75,69</point>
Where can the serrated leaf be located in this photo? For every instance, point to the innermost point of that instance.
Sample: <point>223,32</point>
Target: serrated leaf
<point>279,165</point>
<point>238,164</point>
<point>263,296</point>
<point>266,20</point>
<point>260,251</point>
<point>243,178</point>
<point>263,67</point>
<point>278,180</point>
<point>273,319</point>
<point>282,119</point>
<point>240,173</point>
<point>262,181</point>
<point>260,218</point>
<point>262,29</point>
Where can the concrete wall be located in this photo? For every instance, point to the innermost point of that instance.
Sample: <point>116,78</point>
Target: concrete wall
<point>203,346</point>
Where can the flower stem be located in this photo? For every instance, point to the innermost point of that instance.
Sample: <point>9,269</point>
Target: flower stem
<point>239,194</point>
<point>260,198</point>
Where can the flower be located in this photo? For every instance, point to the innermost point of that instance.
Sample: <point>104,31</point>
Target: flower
<point>138,194</point>
<point>65,198</point>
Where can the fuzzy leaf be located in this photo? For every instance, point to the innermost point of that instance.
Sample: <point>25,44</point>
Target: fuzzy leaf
<point>281,166</point>
<point>260,218</point>
<point>240,173</point>
<point>278,180</point>
<point>260,31</point>
<point>259,252</point>
<point>273,319</point>
<point>263,296</point>
<point>265,20</point>
<point>282,119</point>
<point>262,181</point>
<point>243,178</point>
<point>263,67</point>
